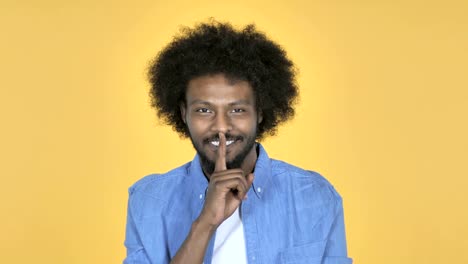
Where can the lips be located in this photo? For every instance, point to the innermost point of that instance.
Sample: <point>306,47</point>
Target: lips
<point>229,141</point>
<point>216,142</point>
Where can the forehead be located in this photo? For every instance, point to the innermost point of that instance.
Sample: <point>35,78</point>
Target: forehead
<point>218,89</point>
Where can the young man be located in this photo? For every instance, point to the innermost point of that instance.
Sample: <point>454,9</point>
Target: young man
<point>224,89</point>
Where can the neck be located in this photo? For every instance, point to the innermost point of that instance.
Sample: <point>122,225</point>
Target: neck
<point>248,165</point>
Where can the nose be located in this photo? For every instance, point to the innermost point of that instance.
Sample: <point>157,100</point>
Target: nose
<point>222,123</point>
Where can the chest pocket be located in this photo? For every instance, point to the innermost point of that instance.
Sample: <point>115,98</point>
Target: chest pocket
<point>311,253</point>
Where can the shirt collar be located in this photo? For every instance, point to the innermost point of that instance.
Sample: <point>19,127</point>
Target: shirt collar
<point>197,179</point>
<point>262,172</point>
<point>262,175</point>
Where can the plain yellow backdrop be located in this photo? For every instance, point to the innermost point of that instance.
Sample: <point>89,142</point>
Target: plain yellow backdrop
<point>383,115</point>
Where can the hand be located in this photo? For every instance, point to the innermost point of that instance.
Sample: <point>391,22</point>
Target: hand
<point>226,190</point>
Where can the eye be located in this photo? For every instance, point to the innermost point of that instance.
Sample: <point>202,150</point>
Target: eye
<point>202,110</point>
<point>238,110</point>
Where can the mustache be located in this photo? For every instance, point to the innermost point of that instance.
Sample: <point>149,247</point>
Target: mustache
<point>215,137</point>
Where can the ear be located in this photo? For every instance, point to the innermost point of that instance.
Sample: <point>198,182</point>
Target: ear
<point>182,111</point>
<point>259,117</point>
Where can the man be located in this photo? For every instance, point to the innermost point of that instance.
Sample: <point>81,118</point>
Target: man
<point>224,89</point>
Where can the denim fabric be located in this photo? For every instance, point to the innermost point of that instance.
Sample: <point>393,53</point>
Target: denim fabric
<point>291,215</point>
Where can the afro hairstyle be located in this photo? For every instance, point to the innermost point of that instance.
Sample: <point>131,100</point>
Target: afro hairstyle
<point>218,48</point>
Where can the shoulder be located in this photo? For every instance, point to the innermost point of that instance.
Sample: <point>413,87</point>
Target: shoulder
<point>158,187</point>
<point>305,183</point>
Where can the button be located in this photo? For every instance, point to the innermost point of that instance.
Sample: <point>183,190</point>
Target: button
<point>201,196</point>
<point>259,189</point>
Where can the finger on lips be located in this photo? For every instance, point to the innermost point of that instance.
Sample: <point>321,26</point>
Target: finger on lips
<point>233,179</point>
<point>221,159</point>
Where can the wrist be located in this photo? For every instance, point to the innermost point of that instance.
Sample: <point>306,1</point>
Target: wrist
<point>202,227</point>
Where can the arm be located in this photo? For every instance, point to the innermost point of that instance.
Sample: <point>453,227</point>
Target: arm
<point>194,247</point>
<point>135,251</point>
<point>220,203</point>
<point>336,249</point>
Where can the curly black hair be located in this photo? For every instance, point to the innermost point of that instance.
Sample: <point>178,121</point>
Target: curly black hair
<point>218,48</point>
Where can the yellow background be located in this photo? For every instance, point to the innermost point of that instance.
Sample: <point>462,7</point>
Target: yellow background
<point>383,115</point>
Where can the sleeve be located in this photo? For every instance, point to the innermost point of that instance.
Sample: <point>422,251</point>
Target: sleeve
<point>136,253</point>
<point>336,250</point>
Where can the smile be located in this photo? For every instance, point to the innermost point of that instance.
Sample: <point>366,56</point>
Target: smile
<point>216,142</point>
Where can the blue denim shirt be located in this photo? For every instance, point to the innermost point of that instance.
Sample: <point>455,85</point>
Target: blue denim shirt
<point>291,215</point>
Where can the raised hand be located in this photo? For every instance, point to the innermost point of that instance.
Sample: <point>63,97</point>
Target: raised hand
<point>226,190</point>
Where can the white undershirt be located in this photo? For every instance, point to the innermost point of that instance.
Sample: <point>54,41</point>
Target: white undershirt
<point>229,246</point>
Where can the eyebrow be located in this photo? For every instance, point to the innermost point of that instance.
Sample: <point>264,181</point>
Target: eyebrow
<point>238,102</point>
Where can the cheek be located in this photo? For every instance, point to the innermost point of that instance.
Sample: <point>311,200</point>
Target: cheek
<point>197,127</point>
<point>247,126</point>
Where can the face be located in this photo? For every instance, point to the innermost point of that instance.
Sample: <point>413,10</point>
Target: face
<point>216,105</point>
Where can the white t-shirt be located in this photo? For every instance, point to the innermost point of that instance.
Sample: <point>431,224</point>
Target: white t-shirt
<point>229,246</point>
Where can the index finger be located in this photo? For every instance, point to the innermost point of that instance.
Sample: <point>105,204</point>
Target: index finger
<point>221,158</point>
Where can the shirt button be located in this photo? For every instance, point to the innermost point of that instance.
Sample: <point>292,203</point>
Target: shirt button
<point>259,189</point>
<point>253,257</point>
<point>201,196</point>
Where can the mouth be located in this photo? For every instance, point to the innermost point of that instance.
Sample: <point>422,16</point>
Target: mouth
<point>214,142</point>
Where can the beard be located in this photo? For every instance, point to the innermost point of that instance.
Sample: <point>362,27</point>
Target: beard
<point>208,165</point>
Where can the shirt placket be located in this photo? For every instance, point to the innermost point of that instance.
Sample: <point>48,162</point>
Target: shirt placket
<point>250,229</point>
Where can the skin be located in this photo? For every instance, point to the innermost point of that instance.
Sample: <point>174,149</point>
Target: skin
<point>217,108</point>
